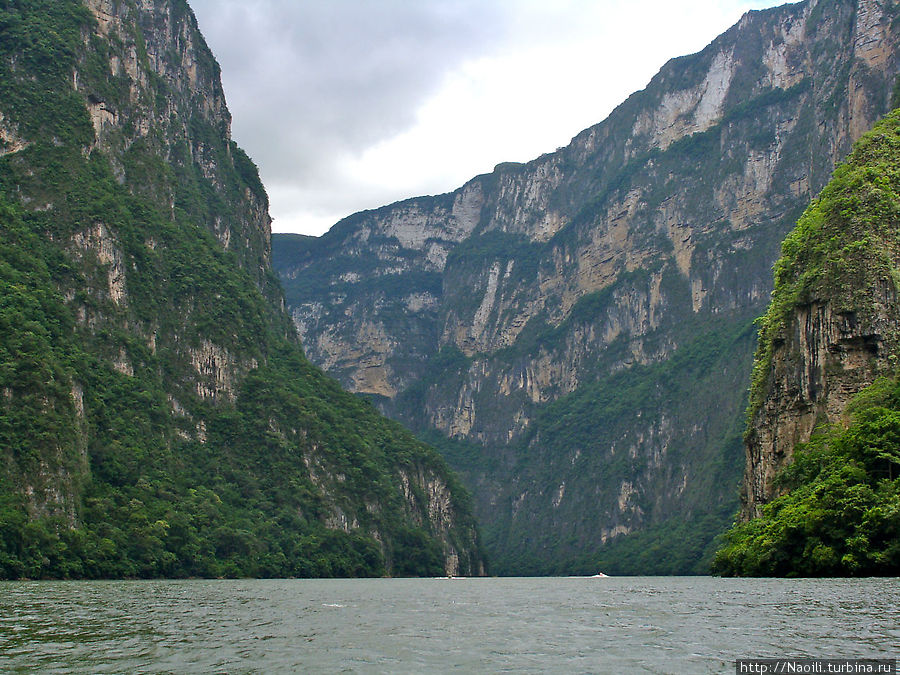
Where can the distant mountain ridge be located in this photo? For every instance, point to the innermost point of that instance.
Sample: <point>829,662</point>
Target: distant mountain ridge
<point>157,415</point>
<point>574,332</point>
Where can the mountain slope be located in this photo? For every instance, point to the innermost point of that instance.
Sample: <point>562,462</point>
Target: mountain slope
<point>504,321</point>
<point>157,415</point>
<point>831,331</point>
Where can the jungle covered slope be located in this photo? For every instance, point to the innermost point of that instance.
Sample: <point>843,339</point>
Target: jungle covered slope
<point>157,415</point>
<point>833,505</point>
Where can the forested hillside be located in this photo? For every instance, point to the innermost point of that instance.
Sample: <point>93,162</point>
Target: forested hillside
<point>157,415</point>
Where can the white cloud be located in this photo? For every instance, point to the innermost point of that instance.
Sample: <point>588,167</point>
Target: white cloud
<point>350,104</point>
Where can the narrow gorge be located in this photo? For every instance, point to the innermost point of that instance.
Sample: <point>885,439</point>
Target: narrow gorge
<point>575,333</point>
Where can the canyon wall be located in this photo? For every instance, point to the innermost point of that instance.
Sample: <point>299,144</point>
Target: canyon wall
<point>542,322</point>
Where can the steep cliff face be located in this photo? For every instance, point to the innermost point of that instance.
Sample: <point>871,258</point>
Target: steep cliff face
<point>834,323</point>
<point>158,416</point>
<point>527,294</point>
<point>821,491</point>
<point>163,93</point>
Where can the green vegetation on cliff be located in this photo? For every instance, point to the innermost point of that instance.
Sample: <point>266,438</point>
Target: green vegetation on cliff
<point>848,234</point>
<point>590,429</point>
<point>157,415</point>
<point>841,516</point>
<point>841,512</point>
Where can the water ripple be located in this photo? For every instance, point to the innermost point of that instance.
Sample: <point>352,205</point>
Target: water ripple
<point>653,625</point>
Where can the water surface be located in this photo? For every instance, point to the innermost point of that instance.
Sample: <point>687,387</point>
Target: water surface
<point>567,625</point>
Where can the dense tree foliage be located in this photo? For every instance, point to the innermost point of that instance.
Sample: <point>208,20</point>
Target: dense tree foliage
<point>841,516</point>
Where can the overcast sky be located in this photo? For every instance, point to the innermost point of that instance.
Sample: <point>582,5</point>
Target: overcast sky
<point>352,104</point>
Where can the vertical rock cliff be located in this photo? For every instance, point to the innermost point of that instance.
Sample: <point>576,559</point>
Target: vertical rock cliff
<point>821,491</point>
<point>834,323</point>
<point>573,331</point>
<point>157,415</point>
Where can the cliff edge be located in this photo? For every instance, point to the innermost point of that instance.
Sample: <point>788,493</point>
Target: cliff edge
<point>833,325</point>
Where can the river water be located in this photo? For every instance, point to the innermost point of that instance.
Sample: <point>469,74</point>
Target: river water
<point>566,625</point>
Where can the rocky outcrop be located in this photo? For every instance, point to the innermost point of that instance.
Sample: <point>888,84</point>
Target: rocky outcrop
<point>827,358</point>
<point>99,242</point>
<point>433,505</point>
<point>834,323</point>
<point>649,230</point>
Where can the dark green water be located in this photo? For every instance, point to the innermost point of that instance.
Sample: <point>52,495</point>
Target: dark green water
<point>566,625</point>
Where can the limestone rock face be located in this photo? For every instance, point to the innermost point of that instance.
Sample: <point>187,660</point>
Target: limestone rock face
<point>547,280</point>
<point>173,88</point>
<point>826,359</point>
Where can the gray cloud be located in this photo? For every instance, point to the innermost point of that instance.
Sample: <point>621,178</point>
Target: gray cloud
<point>329,78</point>
<point>324,93</point>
